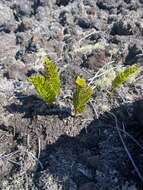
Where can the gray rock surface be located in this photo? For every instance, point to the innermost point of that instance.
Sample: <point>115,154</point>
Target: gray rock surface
<point>44,147</point>
<point>7,21</point>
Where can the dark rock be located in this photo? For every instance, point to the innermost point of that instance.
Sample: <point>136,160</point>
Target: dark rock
<point>122,28</point>
<point>127,1</point>
<point>36,4</point>
<point>135,54</point>
<point>88,186</point>
<point>63,2</point>
<point>107,5</point>
<point>93,161</point>
<point>66,18</point>
<point>84,23</point>
<point>20,28</point>
<point>63,18</point>
<point>19,54</point>
<point>43,3</point>
<point>95,37</point>
<point>138,112</point>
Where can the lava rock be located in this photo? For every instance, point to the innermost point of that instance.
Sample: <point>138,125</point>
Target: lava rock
<point>84,23</point>
<point>22,8</point>
<point>16,71</point>
<point>19,54</point>
<point>138,111</point>
<point>122,28</point>
<point>6,18</point>
<point>107,5</point>
<point>25,25</point>
<point>8,45</point>
<point>88,186</point>
<point>93,161</point>
<point>63,2</point>
<point>65,18</point>
<point>96,59</point>
<point>135,54</point>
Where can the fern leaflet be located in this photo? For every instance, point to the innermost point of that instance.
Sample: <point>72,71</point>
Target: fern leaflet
<point>82,95</point>
<point>47,85</point>
<point>124,75</point>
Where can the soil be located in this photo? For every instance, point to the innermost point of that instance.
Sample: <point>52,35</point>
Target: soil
<point>45,147</point>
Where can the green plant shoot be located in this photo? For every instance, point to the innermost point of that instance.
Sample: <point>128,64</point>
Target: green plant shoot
<point>48,84</point>
<point>82,95</point>
<point>124,75</point>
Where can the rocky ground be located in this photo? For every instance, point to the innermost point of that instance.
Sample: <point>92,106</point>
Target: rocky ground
<point>46,148</point>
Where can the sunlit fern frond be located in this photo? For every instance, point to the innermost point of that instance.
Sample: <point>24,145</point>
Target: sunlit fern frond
<point>124,75</point>
<point>82,95</point>
<point>47,85</point>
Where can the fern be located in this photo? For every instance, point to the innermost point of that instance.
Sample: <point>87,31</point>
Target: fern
<point>124,76</point>
<point>48,84</point>
<point>82,95</point>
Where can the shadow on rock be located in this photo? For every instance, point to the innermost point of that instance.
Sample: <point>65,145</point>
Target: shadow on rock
<point>96,158</point>
<point>32,106</point>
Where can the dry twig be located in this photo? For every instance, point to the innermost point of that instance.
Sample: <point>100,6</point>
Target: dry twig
<point>125,147</point>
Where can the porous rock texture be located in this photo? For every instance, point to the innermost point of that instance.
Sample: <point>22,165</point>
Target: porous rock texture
<point>44,147</point>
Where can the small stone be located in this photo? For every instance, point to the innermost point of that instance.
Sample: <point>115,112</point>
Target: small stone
<point>84,23</point>
<point>88,186</point>
<point>62,2</point>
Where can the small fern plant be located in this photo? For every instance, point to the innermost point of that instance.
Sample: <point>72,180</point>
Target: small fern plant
<point>124,75</point>
<point>82,95</point>
<point>48,84</point>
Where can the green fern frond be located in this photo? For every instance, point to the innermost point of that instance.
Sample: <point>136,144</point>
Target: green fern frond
<point>82,95</point>
<point>47,85</point>
<point>124,75</point>
<point>50,68</point>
